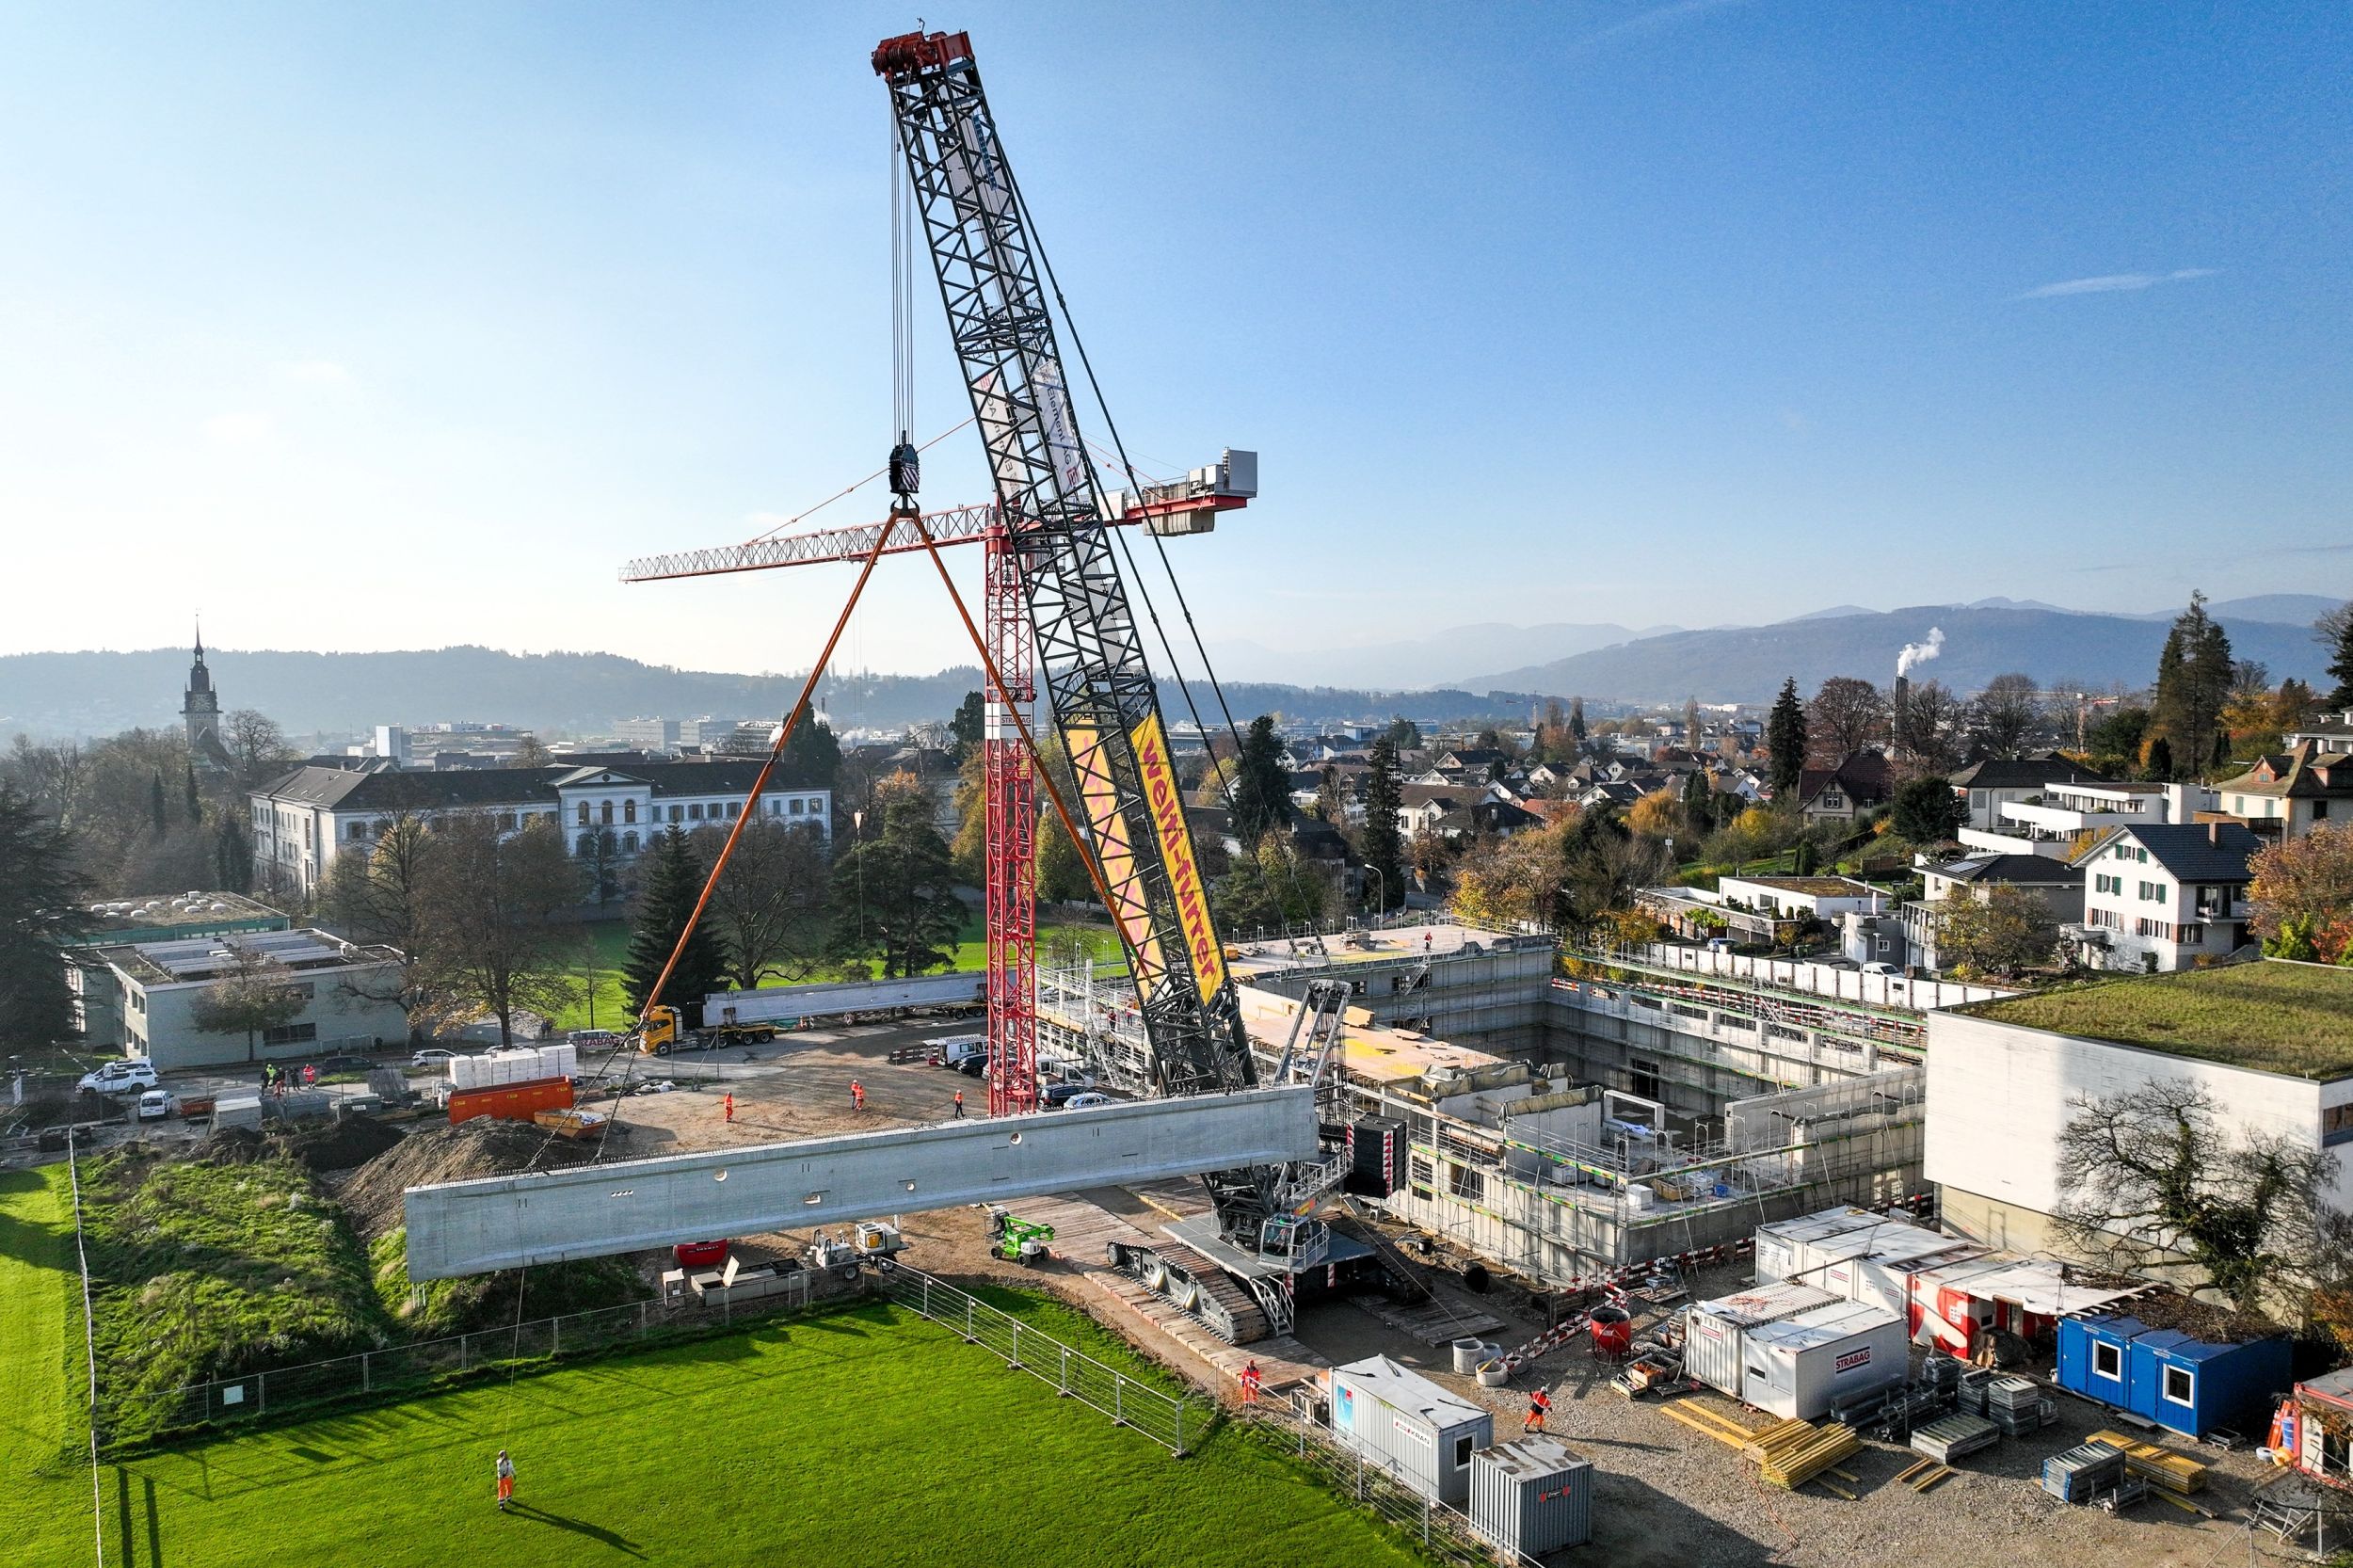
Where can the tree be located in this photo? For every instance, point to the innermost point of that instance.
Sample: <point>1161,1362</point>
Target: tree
<point>1846,715</point>
<point>1930,725</point>
<point>374,898</point>
<point>1513,881</point>
<point>1602,863</point>
<point>1659,815</point>
<point>1929,812</point>
<point>233,857</point>
<point>1576,719</point>
<point>256,995</point>
<point>2007,931</point>
<point>769,909</point>
<point>1691,724</point>
<point>191,798</point>
<point>531,753</point>
<point>2301,895</point>
<point>811,758</point>
<point>1262,785</point>
<point>42,898</point>
<point>1267,888</point>
<point>2156,758</point>
<point>2334,632</point>
<point>2256,720</point>
<point>1383,842</point>
<point>488,908</point>
<point>156,815</point>
<point>257,747</point>
<point>967,724</point>
<point>2005,715</point>
<point>1403,735</point>
<point>664,905</point>
<point>2194,674</point>
<point>1784,738</point>
<point>2114,743</point>
<point>894,895</point>
<point>2151,1177</point>
<point>1699,802</point>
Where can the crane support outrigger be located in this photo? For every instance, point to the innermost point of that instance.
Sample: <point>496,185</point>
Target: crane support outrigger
<point>1091,664</point>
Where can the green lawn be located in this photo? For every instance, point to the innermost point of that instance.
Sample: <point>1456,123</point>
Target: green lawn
<point>610,942</point>
<point>863,1436</point>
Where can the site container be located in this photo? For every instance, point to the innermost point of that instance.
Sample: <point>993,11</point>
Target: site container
<point>511,1103</point>
<point>1409,1426</point>
<point>1782,1246</point>
<point>1799,1367</point>
<point>1891,1280</point>
<point>1533,1496</point>
<point>1712,1331</point>
<point>2193,1386</point>
<point>2093,1357</point>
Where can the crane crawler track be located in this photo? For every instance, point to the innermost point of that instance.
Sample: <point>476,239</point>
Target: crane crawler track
<point>1190,1282</point>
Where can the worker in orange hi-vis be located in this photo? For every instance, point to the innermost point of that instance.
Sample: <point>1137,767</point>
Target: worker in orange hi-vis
<point>1539,1406</point>
<point>506,1480</point>
<point>857,1096</point>
<point>1251,1378</point>
<point>959,1105</point>
<point>727,1107</point>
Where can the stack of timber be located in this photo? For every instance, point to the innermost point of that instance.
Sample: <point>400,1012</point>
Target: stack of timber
<point>1790,1453</point>
<point>1949,1437</point>
<point>1713,1423</point>
<point>2081,1473</point>
<point>1922,1475</point>
<point>2175,1472</point>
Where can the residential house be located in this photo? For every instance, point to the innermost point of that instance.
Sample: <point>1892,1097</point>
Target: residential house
<point>1859,784</point>
<point>2063,817</point>
<point>2290,794</point>
<point>2059,884</point>
<point>1996,781</point>
<point>2162,897</point>
<point>1421,805</point>
<point>2329,733</point>
<point>1800,898</point>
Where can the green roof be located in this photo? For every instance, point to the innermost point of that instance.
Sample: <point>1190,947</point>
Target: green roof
<point>2270,1016</point>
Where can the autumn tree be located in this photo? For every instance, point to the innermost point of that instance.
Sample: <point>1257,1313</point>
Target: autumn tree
<point>2194,674</point>
<point>2256,720</point>
<point>1784,738</point>
<point>1507,882</point>
<point>1846,715</point>
<point>253,996</point>
<point>2005,716</point>
<point>1659,815</point>
<point>2301,895</point>
<point>2335,633</point>
<point>2005,932</point>
<point>769,910</point>
<point>489,908</point>
<point>1603,862</point>
<point>2153,1177</point>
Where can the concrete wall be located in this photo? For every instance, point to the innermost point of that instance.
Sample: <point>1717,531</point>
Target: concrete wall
<point>1999,1095</point>
<point>1494,1001</point>
<point>1872,990</point>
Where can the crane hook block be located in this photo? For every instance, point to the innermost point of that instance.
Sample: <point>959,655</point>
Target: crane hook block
<point>906,469</point>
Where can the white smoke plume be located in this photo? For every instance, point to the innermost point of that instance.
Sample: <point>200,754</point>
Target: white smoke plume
<point>1920,653</point>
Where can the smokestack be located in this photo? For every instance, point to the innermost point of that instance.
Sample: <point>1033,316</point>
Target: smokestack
<point>1903,714</point>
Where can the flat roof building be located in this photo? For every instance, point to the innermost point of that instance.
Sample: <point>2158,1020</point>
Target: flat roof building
<point>140,999</point>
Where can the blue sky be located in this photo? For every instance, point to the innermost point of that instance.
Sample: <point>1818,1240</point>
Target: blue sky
<point>397,327</point>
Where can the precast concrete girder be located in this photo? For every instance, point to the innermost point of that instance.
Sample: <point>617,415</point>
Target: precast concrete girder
<point>469,1227</point>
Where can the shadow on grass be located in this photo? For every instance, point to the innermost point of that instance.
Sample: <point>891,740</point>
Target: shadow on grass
<point>613,1539</point>
<point>43,1246</point>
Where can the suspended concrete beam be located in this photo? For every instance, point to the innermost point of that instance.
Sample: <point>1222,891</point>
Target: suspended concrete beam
<point>469,1227</point>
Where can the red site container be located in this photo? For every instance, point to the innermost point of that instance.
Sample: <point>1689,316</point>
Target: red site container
<point>699,1254</point>
<point>511,1103</point>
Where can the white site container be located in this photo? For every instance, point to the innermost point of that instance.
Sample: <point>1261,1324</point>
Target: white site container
<point>1713,1331</point>
<point>1799,1367</point>
<point>1884,1277</point>
<point>1786,1249</point>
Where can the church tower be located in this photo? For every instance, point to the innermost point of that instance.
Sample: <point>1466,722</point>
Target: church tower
<point>200,710</point>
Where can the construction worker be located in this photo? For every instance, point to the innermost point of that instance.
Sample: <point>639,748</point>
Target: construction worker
<point>506,1480</point>
<point>726,1107</point>
<point>1251,1378</point>
<point>1539,1406</point>
<point>857,1096</point>
<point>959,1105</point>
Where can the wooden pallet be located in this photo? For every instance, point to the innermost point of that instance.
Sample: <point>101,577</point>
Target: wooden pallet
<point>1790,1453</point>
<point>2175,1472</point>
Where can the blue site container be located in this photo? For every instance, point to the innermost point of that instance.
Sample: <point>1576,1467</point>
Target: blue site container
<point>2193,1387</point>
<point>2094,1359</point>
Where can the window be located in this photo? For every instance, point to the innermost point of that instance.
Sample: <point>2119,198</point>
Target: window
<point>359,831</point>
<point>629,811</point>
<point>587,842</point>
<point>629,843</point>
<point>2336,1123</point>
<point>775,807</point>
<point>584,813</point>
<point>2107,1361</point>
<point>289,1035</point>
<point>695,811</point>
<point>733,811</point>
<point>1465,1183</point>
<point>506,822</point>
<point>678,813</point>
<point>1462,1451</point>
<point>604,812</point>
<point>2180,1386</point>
<point>2320,810</point>
<point>797,803</point>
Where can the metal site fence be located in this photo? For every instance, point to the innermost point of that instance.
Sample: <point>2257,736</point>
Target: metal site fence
<point>1445,1532</point>
<point>1164,1417</point>
<point>129,1416</point>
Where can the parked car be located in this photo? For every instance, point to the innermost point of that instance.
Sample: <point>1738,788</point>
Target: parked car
<point>1055,1096</point>
<point>974,1065</point>
<point>1086,1102</point>
<point>117,1077</point>
<point>433,1056</point>
<point>343,1065</point>
<point>155,1105</point>
<point>1876,967</point>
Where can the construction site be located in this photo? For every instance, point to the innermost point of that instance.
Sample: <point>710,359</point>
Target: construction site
<point>1408,1237</point>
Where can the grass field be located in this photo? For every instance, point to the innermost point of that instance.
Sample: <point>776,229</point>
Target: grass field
<point>609,941</point>
<point>864,1436</point>
<point>2272,1017</point>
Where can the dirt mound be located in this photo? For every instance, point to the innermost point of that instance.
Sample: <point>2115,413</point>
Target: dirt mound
<point>481,1147</point>
<point>230,1145</point>
<point>340,1146</point>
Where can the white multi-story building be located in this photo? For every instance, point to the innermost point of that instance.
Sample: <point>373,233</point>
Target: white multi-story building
<point>303,821</point>
<point>2159,898</point>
